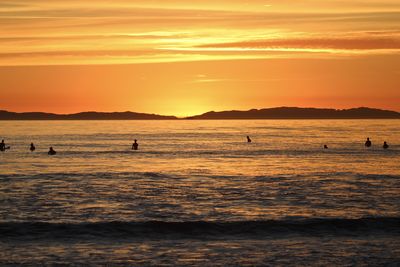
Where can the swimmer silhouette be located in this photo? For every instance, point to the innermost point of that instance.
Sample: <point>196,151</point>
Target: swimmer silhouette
<point>248,139</point>
<point>385,145</point>
<point>3,146</point>
<point>32,148</point>
<point>135,145</point>
<point>52,151</point>
<point>325,147</point>
<point>368,143</point>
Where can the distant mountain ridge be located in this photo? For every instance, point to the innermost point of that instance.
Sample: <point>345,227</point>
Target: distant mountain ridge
<point>91,115</point>
<point>300,113</point>
<point>268,113</point>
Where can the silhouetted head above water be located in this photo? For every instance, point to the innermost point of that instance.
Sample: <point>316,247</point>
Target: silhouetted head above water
<point>385,145</point>
<point>368,143</point>
<point>52,151</point>
<point>135,145</point>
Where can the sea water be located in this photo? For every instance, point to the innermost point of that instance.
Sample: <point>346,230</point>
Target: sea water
<point>196,193</point>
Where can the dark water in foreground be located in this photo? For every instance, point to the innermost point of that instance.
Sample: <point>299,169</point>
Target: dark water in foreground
<point>197,194</point>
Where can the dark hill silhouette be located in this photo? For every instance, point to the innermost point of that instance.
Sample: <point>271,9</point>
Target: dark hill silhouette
<point>5,115</point>
<point>300,113</point>
<point>271,113</point>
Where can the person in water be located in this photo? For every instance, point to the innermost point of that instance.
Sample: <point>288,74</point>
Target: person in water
<point>2,145</point>
<point>325,147</point>
<point>385,145</point>
<point>368,143</point>
<point>52,151</point>
<point>135,145</point>
<point>32,148</point>
<point>248,139</point>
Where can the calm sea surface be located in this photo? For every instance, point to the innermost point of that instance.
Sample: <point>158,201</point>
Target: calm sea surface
<point>196,193</point>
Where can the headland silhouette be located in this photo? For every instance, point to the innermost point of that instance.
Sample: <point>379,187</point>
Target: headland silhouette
<point>268,113</point>
<point>300,113</point>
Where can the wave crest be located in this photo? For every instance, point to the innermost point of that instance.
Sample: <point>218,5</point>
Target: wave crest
<point>201,229</point>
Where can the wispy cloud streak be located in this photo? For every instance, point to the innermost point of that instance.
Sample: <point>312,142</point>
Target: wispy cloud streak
<point>177,30</point>
<point>327,42</point>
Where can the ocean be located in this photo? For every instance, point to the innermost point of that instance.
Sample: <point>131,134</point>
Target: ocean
<point>196,193</point>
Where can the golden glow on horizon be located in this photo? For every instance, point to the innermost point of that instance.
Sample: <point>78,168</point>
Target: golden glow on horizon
<point>330,53</point>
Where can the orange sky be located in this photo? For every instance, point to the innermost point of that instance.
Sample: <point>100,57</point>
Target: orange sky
<point>187,57</point>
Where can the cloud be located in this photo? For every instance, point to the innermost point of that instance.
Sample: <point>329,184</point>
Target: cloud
<point>99,37</point>
<point>191,30</point>
<point>225,80</point>
<point>368,43</point>
<point>307,47</point>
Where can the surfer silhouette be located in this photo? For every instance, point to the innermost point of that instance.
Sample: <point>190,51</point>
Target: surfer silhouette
<point>32,148</point>
<point>52,151</point>
<point>368,143</point>
<point>385,145</point>
<point>135,145</point>
<point>2,145</point>
<point>248,139</point>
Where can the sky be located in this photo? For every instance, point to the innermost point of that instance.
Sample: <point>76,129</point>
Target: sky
<point>179,57</point>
